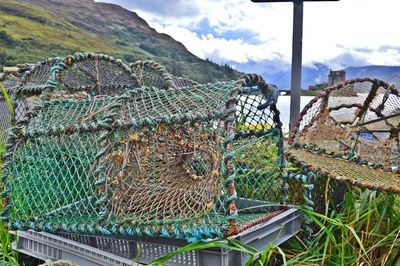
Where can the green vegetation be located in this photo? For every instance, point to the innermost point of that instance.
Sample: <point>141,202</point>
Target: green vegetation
<point>255,257</point>
<point>365,232</point>
<point>32,32</point>
<point>7,254</point>
<point>314,90</point>
<point>310,92</point>
<point>258,173</point>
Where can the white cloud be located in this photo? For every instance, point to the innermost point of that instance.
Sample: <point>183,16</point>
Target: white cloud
<point>332,31</point>
<point>176,8</point>
<point>219,49</point>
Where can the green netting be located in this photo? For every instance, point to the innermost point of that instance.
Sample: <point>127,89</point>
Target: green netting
<point>57,173</point>
<point>6,116</point>
<point>149,161</point>
<point>152,74</point>
<point>10,81</point>
<point>95,74</point>
<point>36,79</point>
<point>258,168</point>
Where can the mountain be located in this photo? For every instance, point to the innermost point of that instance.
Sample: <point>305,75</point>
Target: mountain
<point>390,74</point>
<point>311,75</point>
<point>318,73</point>
<point>33,30</point>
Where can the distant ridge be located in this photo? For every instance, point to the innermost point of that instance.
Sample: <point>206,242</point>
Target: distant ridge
<point>390,74</point>
<point>318,73</point>
<point>33,30</point>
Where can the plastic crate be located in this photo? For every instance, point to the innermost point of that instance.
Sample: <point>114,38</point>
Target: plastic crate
<point>95,250</point>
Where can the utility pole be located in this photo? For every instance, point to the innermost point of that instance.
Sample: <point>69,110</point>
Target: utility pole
<point>297,50</point>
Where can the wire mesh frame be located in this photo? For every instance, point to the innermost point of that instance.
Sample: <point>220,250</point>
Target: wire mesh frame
<point>99,202</point>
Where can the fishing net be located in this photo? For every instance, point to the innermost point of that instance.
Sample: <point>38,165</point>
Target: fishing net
<point>9,81</point>
<point>183,82</point>
<point>95,74</point>
<point>5,122</point>
<point>74,77</point>
<point>257,162</point>
<point>32,81</point>
<point>36,79</point>
<point>152,74</point>
<point>150,161</point>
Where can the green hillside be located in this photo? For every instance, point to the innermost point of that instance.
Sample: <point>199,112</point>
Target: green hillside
<point>33,30</point>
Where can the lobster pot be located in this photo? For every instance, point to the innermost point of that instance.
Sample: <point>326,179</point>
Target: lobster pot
<point>151,162</point>
<point>346,134</point>
<point>352,118</point>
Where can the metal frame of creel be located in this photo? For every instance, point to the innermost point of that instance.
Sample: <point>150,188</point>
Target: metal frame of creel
<point>99,250</point>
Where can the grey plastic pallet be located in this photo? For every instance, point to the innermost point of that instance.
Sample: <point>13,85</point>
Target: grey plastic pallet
<point>46,246</point>
<point>95,250</point>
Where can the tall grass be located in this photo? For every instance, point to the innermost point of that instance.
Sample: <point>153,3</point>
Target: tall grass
<point>365,232</point>
<point>265,257</point>
<point>7,255</point>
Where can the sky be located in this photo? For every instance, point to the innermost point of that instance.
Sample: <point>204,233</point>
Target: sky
<point>254,36</point>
